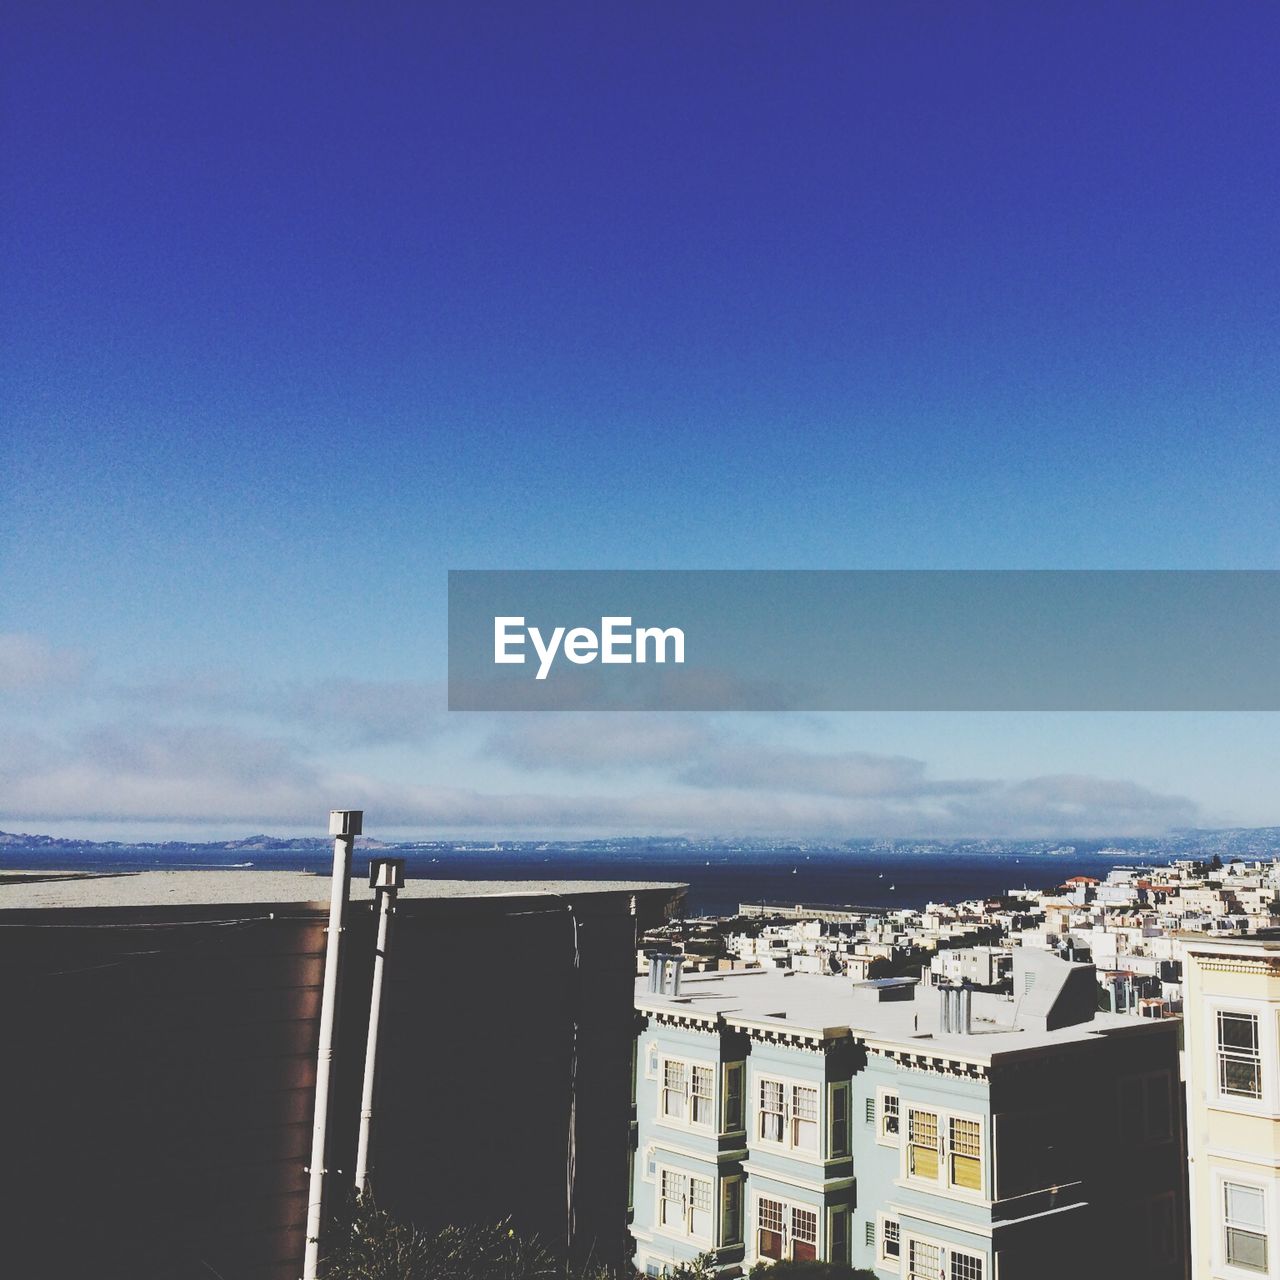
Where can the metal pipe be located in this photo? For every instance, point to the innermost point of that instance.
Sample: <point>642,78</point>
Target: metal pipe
<point>344,826</point>
<point>385,887</point>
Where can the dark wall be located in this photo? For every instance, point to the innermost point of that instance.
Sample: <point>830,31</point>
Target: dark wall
<point>158,1079</point>
<point>1062,1140</point>
<point>157,1090</point>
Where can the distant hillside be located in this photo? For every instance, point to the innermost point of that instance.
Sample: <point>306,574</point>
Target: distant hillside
<point>1226,843</point>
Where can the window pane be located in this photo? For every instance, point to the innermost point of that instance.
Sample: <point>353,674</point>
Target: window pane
<point>769,1233</point>
<point>966,1154</point>
<point>924,1261</point>
<point>1246,1206</point>
<point>1238,1031</point>
<point>701,1096</point>
<point>839,1143</point>
<point>771,1116</point>
<point>965,1266</point>
<point>1246,1249</point>
<point>922,1138</point>
<point>733,1097</point>
<point>731,1228</point>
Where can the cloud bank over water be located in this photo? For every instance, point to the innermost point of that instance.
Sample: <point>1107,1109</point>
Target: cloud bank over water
<point>219,749</point>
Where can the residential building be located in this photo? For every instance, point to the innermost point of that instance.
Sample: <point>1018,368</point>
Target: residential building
<point>922,1132</point>
<point>1232,1013</point>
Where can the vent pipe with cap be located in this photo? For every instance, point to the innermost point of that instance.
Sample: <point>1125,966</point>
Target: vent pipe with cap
<point>344,826</point>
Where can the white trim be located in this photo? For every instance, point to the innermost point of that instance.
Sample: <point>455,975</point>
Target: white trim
<point>686,1122</point>
<point>882,1261</point>
<point>790,1084</point>
<point>689,1235</point>
<point>1218,1180</point>
<point>789,1208</point>
<point>942,1185</point>
<point>947,1248</point>
<point>883,1092</point>
<point>1269,1103</point>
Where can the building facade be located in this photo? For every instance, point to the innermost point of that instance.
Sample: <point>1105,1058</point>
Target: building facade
<point>1233,1104</point>
<point>159,1077</point>
<point>924,1133</point>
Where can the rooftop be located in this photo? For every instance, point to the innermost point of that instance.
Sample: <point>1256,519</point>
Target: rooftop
<point>831,1007</point>
<point>71,890</point>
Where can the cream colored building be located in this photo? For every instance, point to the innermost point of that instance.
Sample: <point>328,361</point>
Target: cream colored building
<point>1232,1013</point>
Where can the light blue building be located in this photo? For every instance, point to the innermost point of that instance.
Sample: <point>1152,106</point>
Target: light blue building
<point>923,1133</point>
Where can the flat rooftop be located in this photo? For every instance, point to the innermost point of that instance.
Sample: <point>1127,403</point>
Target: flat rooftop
<point>69,890</point>
<point>826,1006</point>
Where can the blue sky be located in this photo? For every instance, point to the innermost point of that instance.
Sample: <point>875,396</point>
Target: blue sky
<point>305,306</point>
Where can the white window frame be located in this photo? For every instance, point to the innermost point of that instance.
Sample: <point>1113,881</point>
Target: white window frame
<point>788,1144</point>
<point>942,1184</point>
<point>883,1138</point>
<point>946,1248</point>
<point>887,1261</point>
<point>789,1209</point>
<point>1268,1190</point>
<point>1269,1102</point>
<point>663,1228</point>
<point>686,1123</point>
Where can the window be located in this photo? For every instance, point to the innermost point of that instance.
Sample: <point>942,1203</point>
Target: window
<point>769,1233</point>
<point>922,1145</point>
<point>733,1098</point>
<point>702,1099</point>
<point>891,1240</point>
<point>786,1231</point>
<point>838,1112</point>
<point>933,1135</point>
<point>966,1154</point>
<point>1244,1218</point>
<point>772,1122</point>
<point>804,1118</point>
<point>675,1200</point>
<point>839,1237</point>
<point>700,1208</point>
<point>1239,1056</point>
<point>684,1204</point>
<point>924,1260</point>
<point>1146,1109</point>
<point>965,1266</point>
<point>789,1115</point>
<point>889,1112</point>
<point>673,1090</point>
<point>804,1235</point>
<point>731,1211</point>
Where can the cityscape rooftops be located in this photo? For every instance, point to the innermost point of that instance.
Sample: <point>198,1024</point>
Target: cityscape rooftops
<point>818,1006</point>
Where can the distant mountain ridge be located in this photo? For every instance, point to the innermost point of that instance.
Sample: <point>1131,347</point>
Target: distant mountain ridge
<point>1187,842</point>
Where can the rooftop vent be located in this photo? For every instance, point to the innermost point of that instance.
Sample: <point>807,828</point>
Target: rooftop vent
<point>664,972</point>
<point>957,1008</point>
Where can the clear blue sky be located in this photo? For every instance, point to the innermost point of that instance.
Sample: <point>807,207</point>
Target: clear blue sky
<point>304,305</point>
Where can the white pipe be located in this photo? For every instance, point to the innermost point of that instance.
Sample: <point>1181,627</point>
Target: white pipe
<point>386,906</point>
<point>344,826</point>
